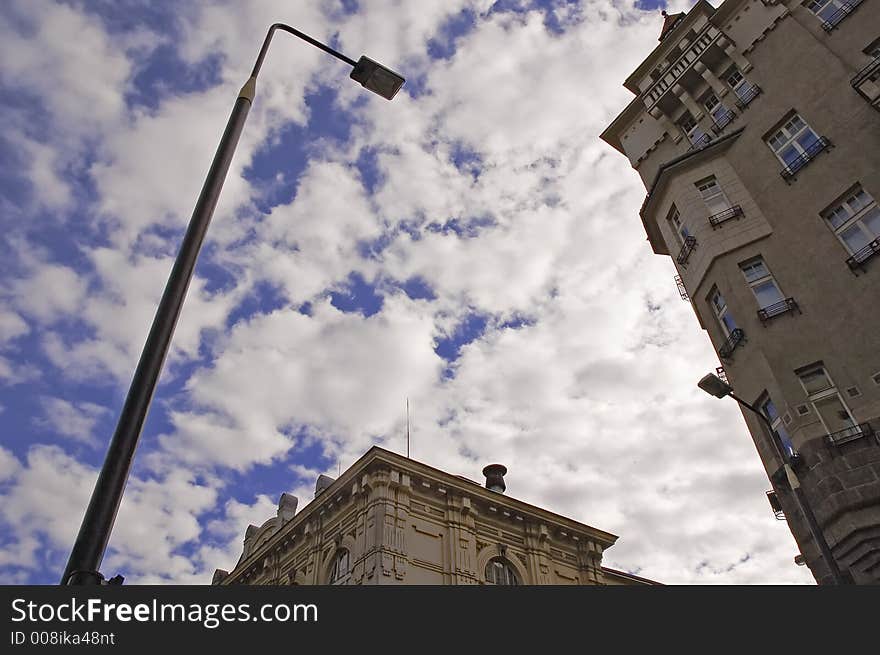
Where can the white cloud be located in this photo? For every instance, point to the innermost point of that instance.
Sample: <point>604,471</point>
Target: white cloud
<point>593,407</point>
<point>50,292</point>
<point>11,326</point>
<point>74,420</point>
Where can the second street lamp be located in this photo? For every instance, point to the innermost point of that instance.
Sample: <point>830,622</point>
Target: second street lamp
<point>94,533</point>
<point>717,387</point>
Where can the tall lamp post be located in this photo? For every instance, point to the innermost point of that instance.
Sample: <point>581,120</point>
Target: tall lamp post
<point>94,533</point>
<point>717,387</point>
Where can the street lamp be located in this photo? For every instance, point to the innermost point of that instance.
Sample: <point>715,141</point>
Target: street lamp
<point>715,386</point>
<point>94,533</point>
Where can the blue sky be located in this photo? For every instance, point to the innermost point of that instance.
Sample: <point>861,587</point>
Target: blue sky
<point>471,246</point>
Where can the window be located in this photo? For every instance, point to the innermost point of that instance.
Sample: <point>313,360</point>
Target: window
<point>719,113</point>
<point>712,195</point>
<point>825,399</point>
<point>743,89</point>
<point>692,129</point>
<point>855,220</point>
<point>831,12</point>
<point>768,409</point>
<point>719,305</point>
<point>340,570</point>
<point>825,9</point>
<point>794,140</point>
<point>680,229</point>
<point>500,572</point>
<point>761,282</point>
<point>815,380</point>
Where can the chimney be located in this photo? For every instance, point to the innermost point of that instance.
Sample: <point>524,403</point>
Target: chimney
<point>495,477</point>
<point>322,483</point>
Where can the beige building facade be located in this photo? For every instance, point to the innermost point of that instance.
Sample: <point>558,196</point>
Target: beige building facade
<point>390,520</point>
<point>755,129</point>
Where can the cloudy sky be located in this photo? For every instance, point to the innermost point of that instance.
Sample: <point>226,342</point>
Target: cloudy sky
<point>472,246</point>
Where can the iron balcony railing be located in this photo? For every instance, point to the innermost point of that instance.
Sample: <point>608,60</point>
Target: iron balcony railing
<point>845,10</point>
<point>686,249</point>
<point>700,143</point>
<point>775,505</point>
<point>859,258</point>
<point>850,434</point>
<point>722,120</point>
<point>819,145</point>
<point>681,290</point>
<point>717,219</point>
<point>777,309</point>
<point>753,92</point>
<point>866,72</point>
<point>737,337</point>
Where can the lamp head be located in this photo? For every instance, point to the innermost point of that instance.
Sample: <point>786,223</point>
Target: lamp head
<point>715,386</point>
<point>375,77</point>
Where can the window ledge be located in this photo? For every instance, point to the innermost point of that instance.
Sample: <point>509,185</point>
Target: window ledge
<point>778,309</point>
<point>736,338</point>
<point>690,243</point>
<point>851,434</point>
<point>717,219</point>
<point>858,259</point>
<point>750,95</point>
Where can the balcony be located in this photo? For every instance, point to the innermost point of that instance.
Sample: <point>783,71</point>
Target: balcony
<point>819,145</point>
<point>722,120</point>
<point>775,505</point>
<point>744,100</point>
<point>737,337</point>
<point>681,290</point>
<point>845,10</point>
<point>700,143</point>
<point>690,243</point>
<point>866,73</point>
<point>859,258</point>
<point>717,219</point>
<point>674,72</point>
<point>777,309</point>
<point>850,434</point>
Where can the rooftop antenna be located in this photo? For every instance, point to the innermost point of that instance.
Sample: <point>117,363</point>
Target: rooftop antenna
<point>407,427</point>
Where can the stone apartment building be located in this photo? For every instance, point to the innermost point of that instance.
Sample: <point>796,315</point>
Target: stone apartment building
<point>390,520</point>
<point>756,132</point>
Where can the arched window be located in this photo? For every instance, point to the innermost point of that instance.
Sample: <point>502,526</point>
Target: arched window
<point>340,569</point>
<point>500,572</point>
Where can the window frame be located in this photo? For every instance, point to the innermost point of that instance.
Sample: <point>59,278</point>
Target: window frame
<point>854,218</point>
<point>777,426</point>
<point>816,6</point>
<point>720,313</point>
<point>717,195</point>
<point>826,393</point>
<point>695,133</point>
<point>762,280</point>
<point>678,226</point>
<point>742,86</point>
<point>338,577</point>
<point>507,568</point>
<point>791,140</point>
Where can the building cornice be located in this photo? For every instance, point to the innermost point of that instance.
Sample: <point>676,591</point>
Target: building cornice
<point>378,457</point>
<point>702,8</point>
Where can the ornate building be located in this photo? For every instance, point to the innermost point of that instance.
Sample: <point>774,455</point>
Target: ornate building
<point>392,520</point>
<point>755,129</point>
